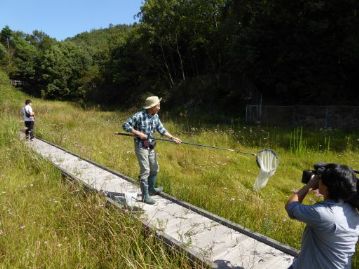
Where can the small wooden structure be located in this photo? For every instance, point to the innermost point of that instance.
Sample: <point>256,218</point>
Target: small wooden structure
<point>16,82</point>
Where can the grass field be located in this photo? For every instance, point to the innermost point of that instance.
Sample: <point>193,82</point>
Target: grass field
<point>47,222</point>
<point>219,181</point>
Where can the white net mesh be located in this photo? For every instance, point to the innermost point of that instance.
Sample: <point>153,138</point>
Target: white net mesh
<point>268,162</point>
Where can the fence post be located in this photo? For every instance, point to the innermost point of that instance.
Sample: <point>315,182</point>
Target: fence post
<point>326,118</point>
<point>247,113</point>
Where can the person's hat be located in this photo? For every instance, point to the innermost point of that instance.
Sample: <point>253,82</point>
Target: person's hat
<point>151,102</point>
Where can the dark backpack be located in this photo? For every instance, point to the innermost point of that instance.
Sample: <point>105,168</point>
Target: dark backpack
<point>27,114</point>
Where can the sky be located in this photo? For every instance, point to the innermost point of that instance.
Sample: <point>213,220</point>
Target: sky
<point>65,18</point>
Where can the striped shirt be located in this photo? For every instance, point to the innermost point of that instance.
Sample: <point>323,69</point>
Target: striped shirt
<point>145,123</point>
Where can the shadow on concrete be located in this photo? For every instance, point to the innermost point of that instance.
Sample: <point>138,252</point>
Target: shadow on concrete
<point>224,264</point>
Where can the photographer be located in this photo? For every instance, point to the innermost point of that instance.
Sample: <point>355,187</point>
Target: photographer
<point>332,228</point>
<point>142,125</point>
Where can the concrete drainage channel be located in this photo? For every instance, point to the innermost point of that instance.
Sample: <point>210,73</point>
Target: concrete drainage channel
<point>205,237</point>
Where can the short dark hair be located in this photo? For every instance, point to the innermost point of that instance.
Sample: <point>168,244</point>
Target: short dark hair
<point>28,101</point>
<point>341,182</point>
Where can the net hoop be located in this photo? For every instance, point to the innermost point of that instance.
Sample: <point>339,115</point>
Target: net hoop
<point>267,161</point>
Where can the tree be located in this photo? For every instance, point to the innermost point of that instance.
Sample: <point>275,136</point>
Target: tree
<point>182,34</point>
<point>63,65</point>
<point>293,51</point>
<point>6,36</point>
<point>3,55</point>
<point>40,40</point>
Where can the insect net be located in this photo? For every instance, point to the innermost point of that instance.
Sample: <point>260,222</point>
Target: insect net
<point>267,161</point>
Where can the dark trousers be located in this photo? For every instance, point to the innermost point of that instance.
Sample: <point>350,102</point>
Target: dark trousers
<point>29,132</point>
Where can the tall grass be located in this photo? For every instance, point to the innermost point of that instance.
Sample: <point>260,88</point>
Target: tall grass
<point>47,222</point>
<point>297,144</point>
<point>219,181</point>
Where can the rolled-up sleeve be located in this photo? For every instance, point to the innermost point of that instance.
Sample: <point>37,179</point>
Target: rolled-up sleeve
<point>160,128</point>
<point>305,213</point>
<point>128,124</point>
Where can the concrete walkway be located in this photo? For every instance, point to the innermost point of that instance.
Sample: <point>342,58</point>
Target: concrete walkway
<point>201,234</point>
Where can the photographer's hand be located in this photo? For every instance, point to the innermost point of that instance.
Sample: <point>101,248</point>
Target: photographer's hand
<point>299,196</point>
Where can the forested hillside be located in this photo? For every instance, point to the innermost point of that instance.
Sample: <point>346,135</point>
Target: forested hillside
<point>203,53</point>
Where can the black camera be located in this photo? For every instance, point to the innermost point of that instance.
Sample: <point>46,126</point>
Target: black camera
<point>318,169</point>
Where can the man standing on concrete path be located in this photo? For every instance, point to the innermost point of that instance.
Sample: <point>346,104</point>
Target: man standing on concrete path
<point>29,120</point>
<point>142,125</point>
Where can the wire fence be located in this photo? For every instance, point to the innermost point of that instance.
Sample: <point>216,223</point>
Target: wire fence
<point>342,117</point>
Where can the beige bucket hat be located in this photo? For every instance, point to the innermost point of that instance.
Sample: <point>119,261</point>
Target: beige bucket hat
<point>151,102</point>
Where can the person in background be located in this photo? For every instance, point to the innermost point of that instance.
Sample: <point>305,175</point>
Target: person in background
<point>332,225</point>
<point>142,125</point>
<point>29,120</point>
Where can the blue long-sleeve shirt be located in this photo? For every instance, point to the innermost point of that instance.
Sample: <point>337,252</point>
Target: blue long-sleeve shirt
<point>330,236</point>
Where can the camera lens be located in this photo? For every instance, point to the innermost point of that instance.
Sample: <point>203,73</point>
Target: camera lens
<point>306,176</point>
